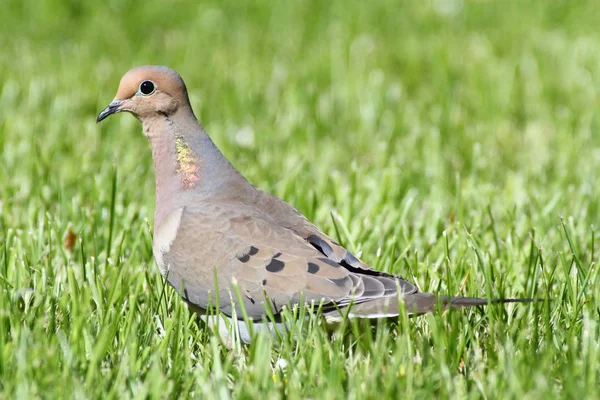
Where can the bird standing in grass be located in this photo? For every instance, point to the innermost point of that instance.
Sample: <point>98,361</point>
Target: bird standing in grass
<point>220,240</point>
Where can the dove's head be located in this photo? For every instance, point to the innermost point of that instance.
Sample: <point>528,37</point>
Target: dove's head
<point>147,92</point>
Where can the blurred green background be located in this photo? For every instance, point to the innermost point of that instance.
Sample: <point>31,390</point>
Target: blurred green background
<point>440,140</point>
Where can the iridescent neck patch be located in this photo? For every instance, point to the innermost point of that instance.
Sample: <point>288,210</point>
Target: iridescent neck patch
<point>187,164</point>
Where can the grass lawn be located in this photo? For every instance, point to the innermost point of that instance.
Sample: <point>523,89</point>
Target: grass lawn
<point>455,143</point>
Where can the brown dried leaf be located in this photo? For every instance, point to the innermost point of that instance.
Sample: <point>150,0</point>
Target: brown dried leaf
<point>69,240</point>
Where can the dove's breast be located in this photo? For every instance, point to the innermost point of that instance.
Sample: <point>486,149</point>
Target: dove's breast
<point>164,235</point>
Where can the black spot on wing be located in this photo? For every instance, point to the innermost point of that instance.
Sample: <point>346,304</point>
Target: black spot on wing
<point>264,282</point>
<point>245,257</point>
<point>275,266</point>
<point>313,268</point>
<point>320,244</point>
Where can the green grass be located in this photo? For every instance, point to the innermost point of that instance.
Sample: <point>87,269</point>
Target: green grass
<point>445,141</point>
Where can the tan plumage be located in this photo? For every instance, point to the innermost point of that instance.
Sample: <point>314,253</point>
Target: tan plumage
<point>211,222</point>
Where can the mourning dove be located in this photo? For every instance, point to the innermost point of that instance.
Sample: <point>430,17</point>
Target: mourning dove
<point>211,223</point>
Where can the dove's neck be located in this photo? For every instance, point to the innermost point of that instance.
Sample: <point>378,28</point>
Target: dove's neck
<point>188,166</point>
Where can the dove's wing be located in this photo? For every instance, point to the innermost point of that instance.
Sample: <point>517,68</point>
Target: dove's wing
<point>238,244</point>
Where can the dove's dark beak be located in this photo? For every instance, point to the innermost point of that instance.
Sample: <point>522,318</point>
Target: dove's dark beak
<point>113,107</point>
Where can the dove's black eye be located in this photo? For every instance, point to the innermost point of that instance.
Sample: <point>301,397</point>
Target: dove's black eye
<point>147,87</point>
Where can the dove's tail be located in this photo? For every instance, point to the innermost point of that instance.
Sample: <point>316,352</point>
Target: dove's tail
<point>418,303</point>
<point>456,302</point>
